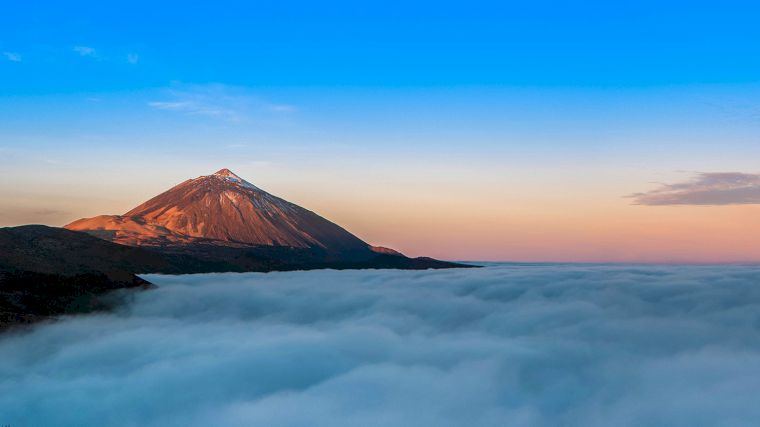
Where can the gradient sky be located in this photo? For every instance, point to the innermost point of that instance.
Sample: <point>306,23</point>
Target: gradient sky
<point>475,130</point>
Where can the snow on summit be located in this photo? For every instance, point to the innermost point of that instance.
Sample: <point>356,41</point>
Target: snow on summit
<point>230,176</point>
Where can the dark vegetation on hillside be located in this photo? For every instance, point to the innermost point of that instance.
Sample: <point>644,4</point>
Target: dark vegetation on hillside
<point>46,272</point>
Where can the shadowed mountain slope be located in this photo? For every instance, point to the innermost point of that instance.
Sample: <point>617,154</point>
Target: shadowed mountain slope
<point>48,271</point>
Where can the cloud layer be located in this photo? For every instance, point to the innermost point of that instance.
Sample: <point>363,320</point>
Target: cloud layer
<point>505,345</point>
<point>724,188</point>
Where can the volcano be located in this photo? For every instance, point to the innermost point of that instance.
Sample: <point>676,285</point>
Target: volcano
<point>222,209</point>
<point>213,223</point>
<point>224,219</point>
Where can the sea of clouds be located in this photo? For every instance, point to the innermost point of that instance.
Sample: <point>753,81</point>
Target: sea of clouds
<point>506,345</point>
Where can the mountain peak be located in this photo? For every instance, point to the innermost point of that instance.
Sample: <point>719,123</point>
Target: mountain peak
<point>230,177</point>
<point>226,172</point>
<point>225,209</point>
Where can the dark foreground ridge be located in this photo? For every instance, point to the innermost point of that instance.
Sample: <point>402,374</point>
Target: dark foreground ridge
<point>46,272</point>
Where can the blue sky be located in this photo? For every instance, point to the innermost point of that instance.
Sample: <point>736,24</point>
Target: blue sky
<point>379,44</point>
<point>514,108</point>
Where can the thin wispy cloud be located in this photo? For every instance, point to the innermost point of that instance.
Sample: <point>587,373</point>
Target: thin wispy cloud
<point>218,101</point>
<point>133,58</point>
<point>705,189</point>
<point>85,51</point>
<point>282,108</point>
<point>171,106</point>
<point>197,108</point>
<point>12,56</point>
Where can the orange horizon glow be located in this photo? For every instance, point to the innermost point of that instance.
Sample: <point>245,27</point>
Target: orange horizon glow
<point>459,221</point>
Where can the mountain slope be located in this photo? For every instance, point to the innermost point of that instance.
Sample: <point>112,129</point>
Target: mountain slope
<point>223,221</point>
<point>224,209</point>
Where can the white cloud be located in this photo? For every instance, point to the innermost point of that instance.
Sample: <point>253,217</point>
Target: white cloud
<point>715,188</point>
<point>507,345</point>
<point>197,107</point>
<point>12,56</point>
<point>85,51</point>
<point>172,106</point>
<point>133,58</point>
<point>218,101</point>
<point>205,100</point>
<point>283,108</point>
